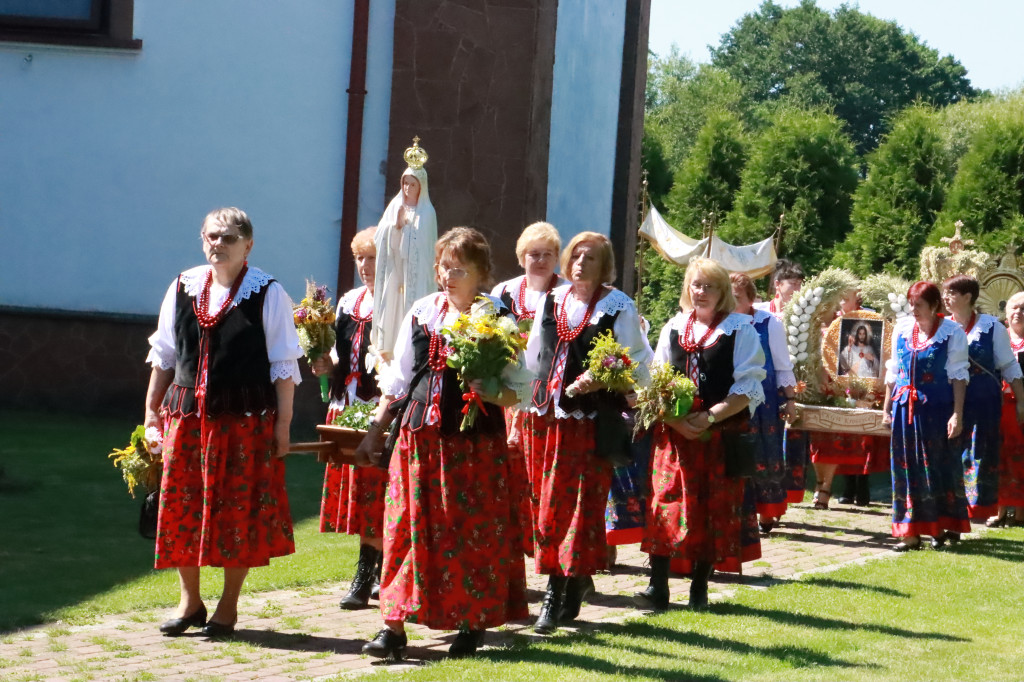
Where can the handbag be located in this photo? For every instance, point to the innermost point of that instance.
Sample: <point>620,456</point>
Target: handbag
<point>613,432</point>
<point>148,514</point>
<point>740,448</point>
<point>398,408</point>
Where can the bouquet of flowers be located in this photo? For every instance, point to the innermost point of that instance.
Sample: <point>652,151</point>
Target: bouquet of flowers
<point>670,394</point>
<point>140,463</point>
<point>482,346</point>
<point>314,321</point>
<point>356,416</point>
<point>607,362</point>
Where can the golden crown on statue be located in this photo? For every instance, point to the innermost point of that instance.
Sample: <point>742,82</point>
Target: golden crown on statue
<point>415,155</point>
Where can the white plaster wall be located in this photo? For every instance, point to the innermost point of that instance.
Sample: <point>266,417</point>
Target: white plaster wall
<point>109,160</point>
<point>585,114</point>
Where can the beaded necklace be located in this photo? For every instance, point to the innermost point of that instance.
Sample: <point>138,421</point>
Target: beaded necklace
<point>201,306</point>
<point>1017,346</point>
<point>562,325</point>
<point>914,345</point>
<point>525,314</point>
<point>437,354</point>
<point>691,346</point>
<point>357,337</point>
<point>355,308</point>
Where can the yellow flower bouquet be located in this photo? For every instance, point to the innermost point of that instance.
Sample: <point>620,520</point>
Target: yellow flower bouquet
<point>141,462</point>
<point>482,346</point>
<point>609,363</point>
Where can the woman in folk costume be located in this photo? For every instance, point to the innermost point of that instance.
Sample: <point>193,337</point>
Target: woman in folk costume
<point>405,240</point>
<point>224,375</point>
<point>778,408</point>
<point>992,363</point>
<point>452,548</point>
<point>926,380</point>
<point>787,279</point>
<point>1011,459</point>
<point>696,500</point>
<point>537,250</point>
<point>353,496</point>
<point>570,477</point>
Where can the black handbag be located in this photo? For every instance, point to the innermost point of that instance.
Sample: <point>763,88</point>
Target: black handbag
<point>148,514</point>
<point>613,432</point>
<point>398,408</point>
<point>740,448</point>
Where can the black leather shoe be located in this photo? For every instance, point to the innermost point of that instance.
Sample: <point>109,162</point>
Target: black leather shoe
<point>577,589</point>
<point>215,630</point>
<point>953,538</point>
<point>466,643</point>
<point>388,645</point>
<point>702,571</point>
<point>375,590</point>
<point>939,541</point>
<point>547,621</point>
<point>656,596</point>
<point>177,626</point>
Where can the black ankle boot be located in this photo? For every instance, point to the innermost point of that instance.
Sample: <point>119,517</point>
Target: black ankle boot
<point>863,497</point>
<point>387,644</point>
<point>375,590</point>
<point>547,621</point>
<point>849,490</point>
<point>655,597</point>
<point>466,643</point>
<point>699,585</point>
<point>359,591</point>
<point>577,588</point>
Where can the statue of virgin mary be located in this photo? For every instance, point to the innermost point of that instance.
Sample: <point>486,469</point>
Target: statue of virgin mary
<point>405,241</point>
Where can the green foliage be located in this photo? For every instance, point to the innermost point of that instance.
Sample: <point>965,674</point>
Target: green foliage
<point>663,282</point>
<point>803,167</point>
<point>356,416</point>
<point>863,68</point>
<point>896,206</point>
<point>987,193</point>
<point>710,175</point>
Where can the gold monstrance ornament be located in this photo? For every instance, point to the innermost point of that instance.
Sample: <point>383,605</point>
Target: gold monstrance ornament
<point>415,155</point>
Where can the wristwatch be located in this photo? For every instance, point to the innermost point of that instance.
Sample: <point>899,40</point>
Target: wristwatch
<point>711,418</point>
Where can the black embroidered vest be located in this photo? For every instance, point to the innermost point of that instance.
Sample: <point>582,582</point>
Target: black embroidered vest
<point>238,378</point>
<point>575,363</point>
<point>492,423</point>
<point>366,385</point>
<point>715,368</point>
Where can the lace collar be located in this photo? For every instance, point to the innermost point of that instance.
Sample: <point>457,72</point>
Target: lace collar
<point>348,301</point>
<point>947,328</point>
<point>613,301</point>
<point>253,282</point>
<point>426,309</point>
<point>982,325</point>
<point>760,315</point>
<point>730,324</point>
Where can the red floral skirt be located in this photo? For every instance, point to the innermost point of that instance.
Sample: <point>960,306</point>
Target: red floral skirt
<point>353,498</point>
<point>570,489</point>
<point>519,480</point>
<point>224,505</point>
<point>1011,461</point>
<point>452,545</point>
<point>695,511</point>
<point>853,454</point>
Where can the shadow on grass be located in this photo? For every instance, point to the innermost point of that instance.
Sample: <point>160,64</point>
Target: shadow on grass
<point>563,651</point>
<point>69,530</point>
<point>847,585</point>
<point>990,546</point>
<point>859,538</point>
<point>807,620</point>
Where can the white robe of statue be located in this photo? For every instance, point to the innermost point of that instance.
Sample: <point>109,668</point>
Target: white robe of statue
<point>405,264</point>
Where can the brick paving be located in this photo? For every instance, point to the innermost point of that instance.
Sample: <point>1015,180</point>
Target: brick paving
<point>301,634</point>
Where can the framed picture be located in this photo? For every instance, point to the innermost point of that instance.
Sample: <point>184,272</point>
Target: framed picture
<point>854,352</point>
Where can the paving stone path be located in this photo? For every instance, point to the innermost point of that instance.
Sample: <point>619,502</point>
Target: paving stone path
<point>302,635</point>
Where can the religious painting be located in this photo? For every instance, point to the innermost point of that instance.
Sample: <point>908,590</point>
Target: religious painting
<point>853,352</point>
<point>860,349</point>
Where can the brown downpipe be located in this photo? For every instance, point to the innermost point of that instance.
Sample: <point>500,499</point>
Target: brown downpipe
<point>353,143</point>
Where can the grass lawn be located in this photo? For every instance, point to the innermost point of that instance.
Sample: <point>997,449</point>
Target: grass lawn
<point>955,615</point>
<point>69,546</point>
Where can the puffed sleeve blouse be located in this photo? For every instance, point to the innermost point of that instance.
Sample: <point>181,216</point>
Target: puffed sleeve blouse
<point>283,349</point>
<point>957,358</point>
<point>747,355</point>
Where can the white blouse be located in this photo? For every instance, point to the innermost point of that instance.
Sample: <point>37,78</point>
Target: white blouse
<point>346,305</point>
<point>747,355</point>
<point>626,328</point>
<point>534,300</point>
<point>1005,359</point>
<point>283,349</point>
<point>396,376</point>
<point>957,357</point>
<point>784,375</point>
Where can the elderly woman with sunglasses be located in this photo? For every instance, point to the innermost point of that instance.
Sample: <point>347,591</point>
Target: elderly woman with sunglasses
<point>225,367</point>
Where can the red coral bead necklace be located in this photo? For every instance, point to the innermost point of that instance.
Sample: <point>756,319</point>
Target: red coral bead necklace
<point>562,324</point>
<point>201,306</point>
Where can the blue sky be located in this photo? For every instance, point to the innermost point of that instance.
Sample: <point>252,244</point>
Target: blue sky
<point>983,35</point>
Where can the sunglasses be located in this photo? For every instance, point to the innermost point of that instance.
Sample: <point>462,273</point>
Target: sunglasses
<point>212,238</point>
